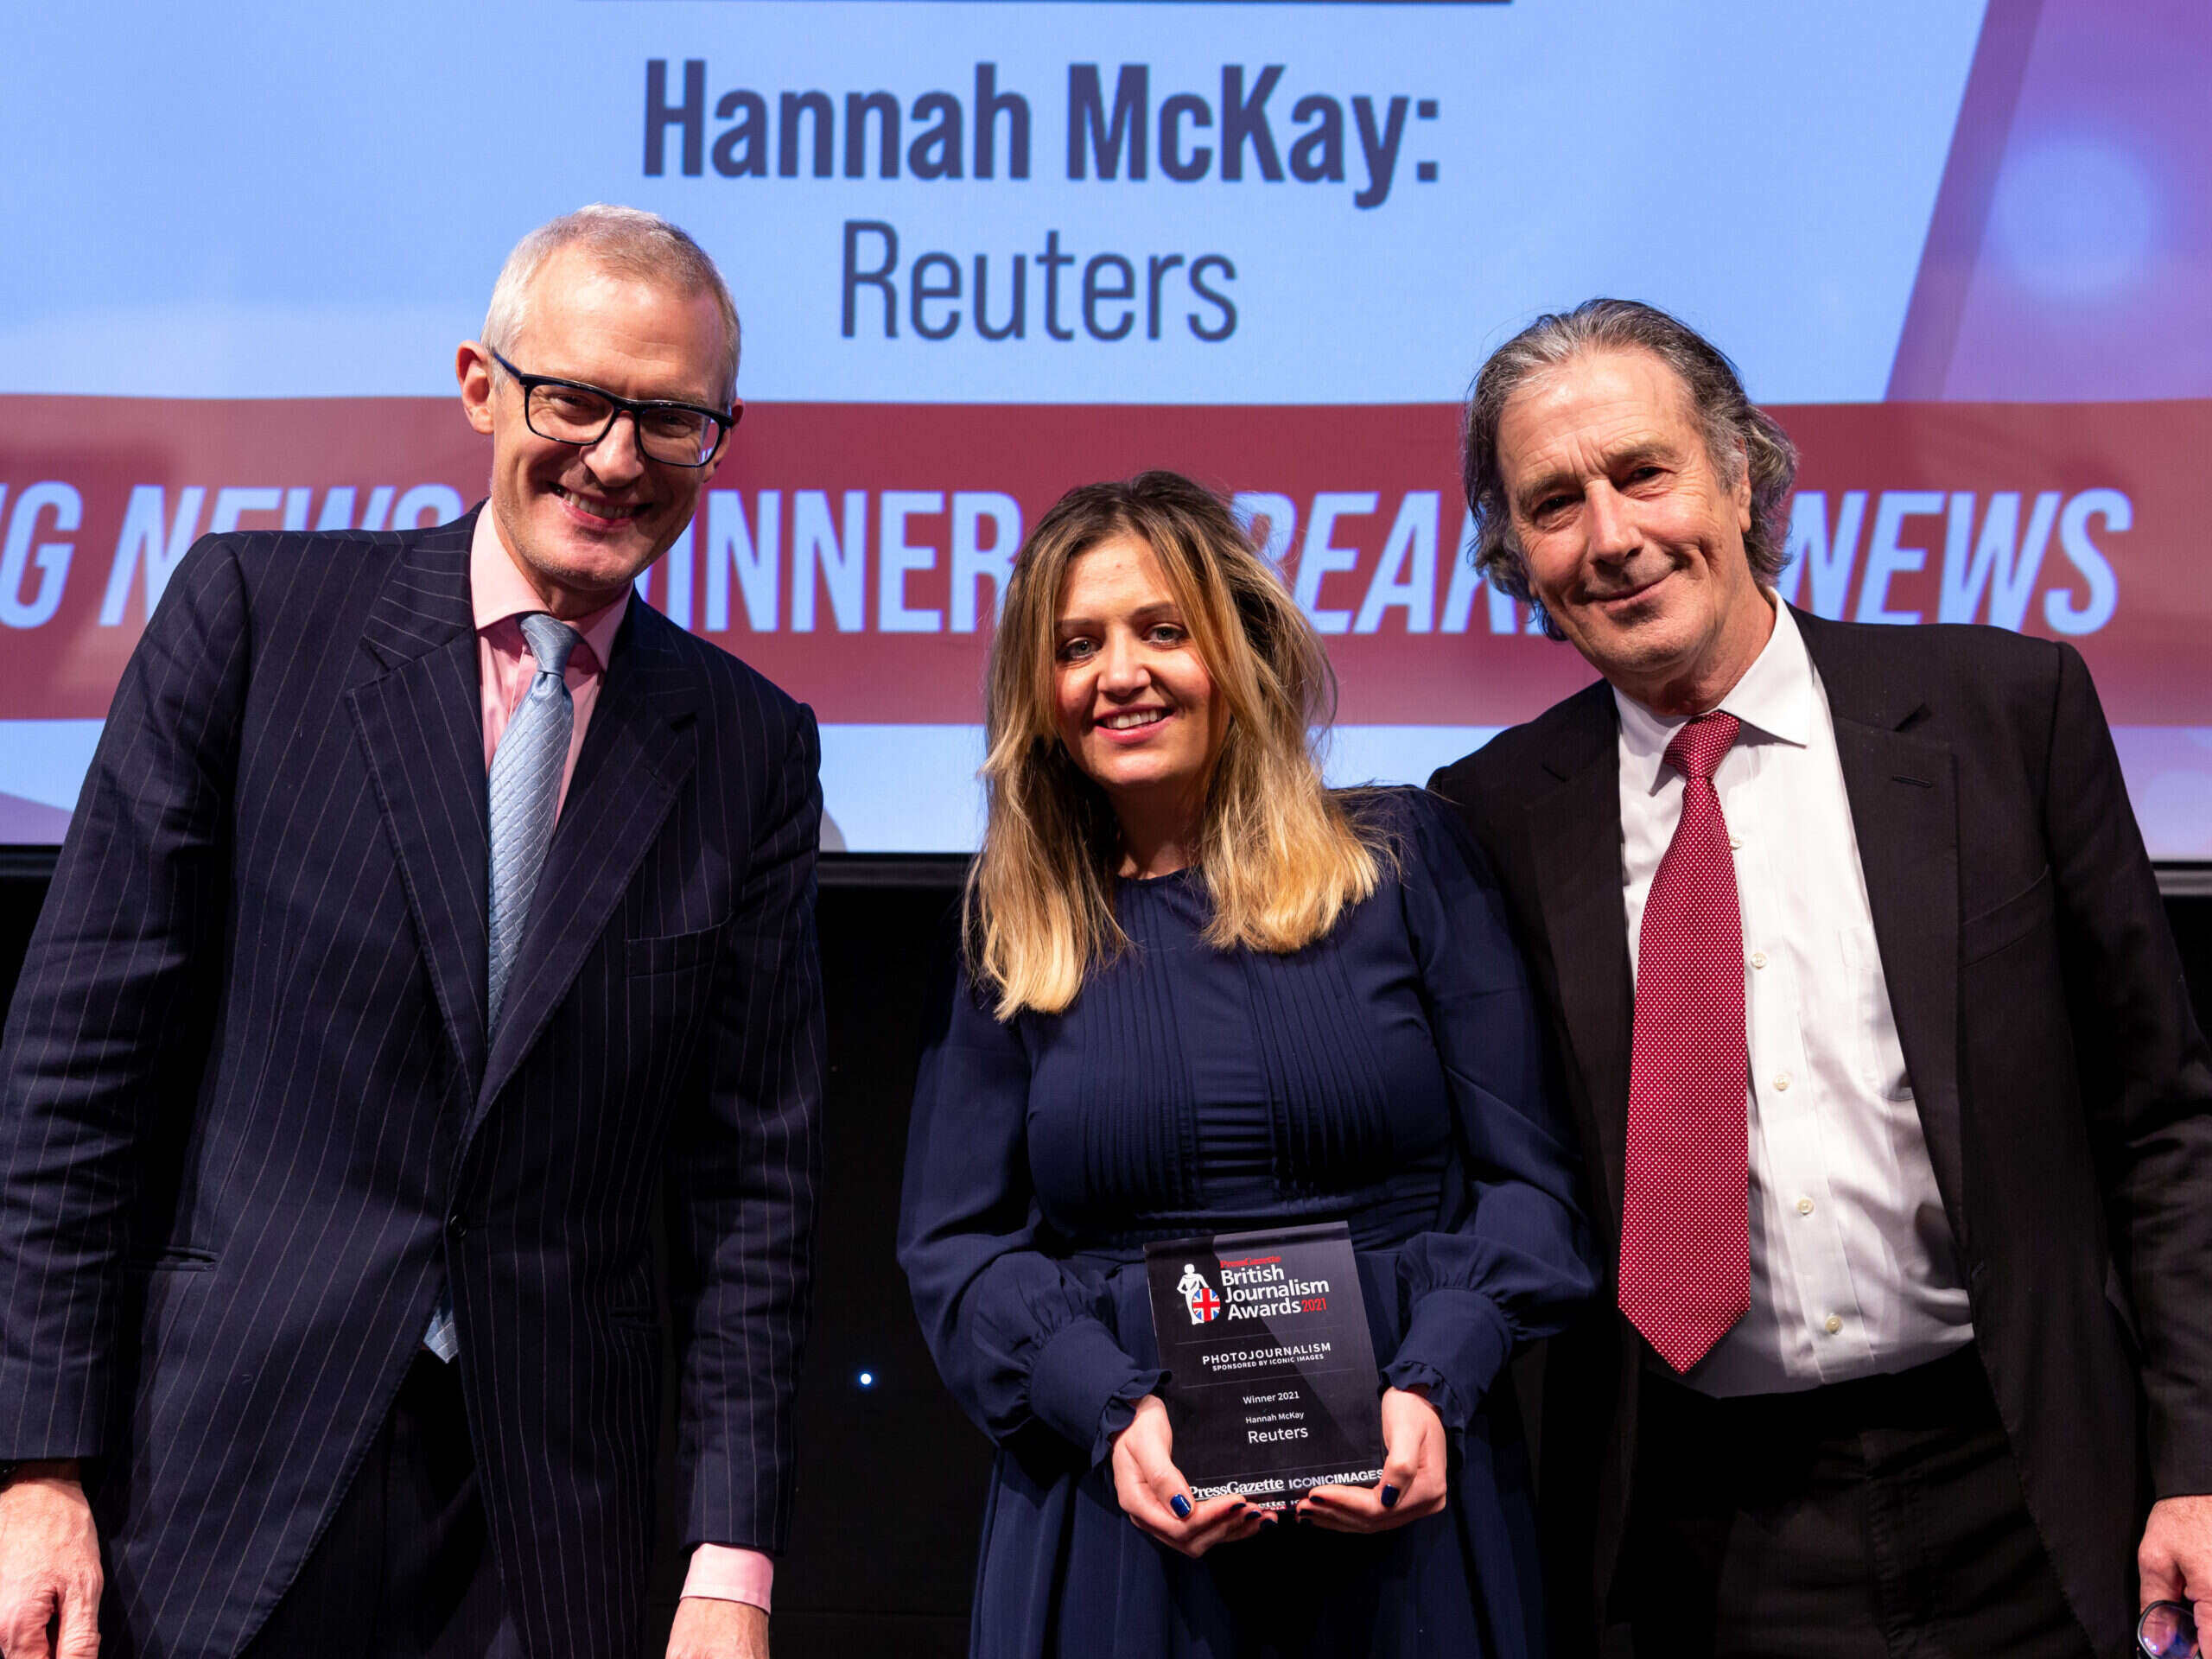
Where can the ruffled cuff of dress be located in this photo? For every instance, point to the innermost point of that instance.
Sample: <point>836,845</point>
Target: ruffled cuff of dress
<point>1121,1411</point>
<point>1085,1389</point>
<point>1456,1344</point>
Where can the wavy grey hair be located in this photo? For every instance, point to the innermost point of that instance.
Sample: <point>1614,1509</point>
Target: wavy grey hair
<point>628,242</point>
<point>1738,434</point>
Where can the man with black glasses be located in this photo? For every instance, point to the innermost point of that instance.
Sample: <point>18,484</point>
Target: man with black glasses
<point>434,909</point>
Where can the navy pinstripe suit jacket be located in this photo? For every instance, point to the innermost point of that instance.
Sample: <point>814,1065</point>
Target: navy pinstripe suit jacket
<point>250,1116</point>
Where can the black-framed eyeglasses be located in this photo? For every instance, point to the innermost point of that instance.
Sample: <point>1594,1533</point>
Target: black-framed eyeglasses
<point>569,411</point>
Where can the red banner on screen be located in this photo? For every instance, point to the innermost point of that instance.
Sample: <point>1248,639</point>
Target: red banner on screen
<point>853,552</point>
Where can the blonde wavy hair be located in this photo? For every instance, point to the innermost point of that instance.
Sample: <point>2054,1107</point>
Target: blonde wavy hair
<point>1282,857</point>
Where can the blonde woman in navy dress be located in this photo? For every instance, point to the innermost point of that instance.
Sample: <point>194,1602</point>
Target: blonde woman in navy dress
<point>1201,992</point>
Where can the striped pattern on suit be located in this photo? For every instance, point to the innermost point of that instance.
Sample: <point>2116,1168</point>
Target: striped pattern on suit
<point>250,1116</point>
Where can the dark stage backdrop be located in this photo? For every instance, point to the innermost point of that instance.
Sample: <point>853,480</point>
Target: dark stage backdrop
<point>891,1475</point>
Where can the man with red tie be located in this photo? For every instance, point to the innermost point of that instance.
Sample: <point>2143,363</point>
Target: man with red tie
<point>1893,1106</point>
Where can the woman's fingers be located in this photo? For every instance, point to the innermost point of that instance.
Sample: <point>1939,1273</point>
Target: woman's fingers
<point>1413,1484</point>
<point>1343,1508</point>
<point>1220,1521</point>
<point>1217,1520</point>
<point>1151,1488</point>
<point>1181,1522</point>
<point>1150,1491</point>
<point>1153,1493</point>
<point>1141,1456</point>
<point>1166,1483</point>
<point>1360,1509</point>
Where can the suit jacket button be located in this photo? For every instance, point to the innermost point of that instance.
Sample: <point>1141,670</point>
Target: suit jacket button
<point>457,1226</point>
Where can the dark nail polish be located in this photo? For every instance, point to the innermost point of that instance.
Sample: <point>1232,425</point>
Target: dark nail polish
<point>1181,1505</point>
<point>1389,1497</point>
<point>1269,1519</point>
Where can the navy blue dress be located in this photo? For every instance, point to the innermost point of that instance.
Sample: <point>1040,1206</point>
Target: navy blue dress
<point>1390,1076</point>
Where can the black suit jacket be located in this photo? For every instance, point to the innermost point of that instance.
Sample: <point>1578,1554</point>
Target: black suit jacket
<point>2060,1075</point>
<point>250,1117</point>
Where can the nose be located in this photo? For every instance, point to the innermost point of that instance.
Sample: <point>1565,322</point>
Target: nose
<point>1122,672</point>
<point>1607,523</point>
<point>616,458</point>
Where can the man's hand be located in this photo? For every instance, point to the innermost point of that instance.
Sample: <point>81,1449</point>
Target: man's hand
<point>1412,1483</point>
<point>1153,1493</point>
<point>49,1567</point>
<point>2175,1558</point>
<point>708,1628</point>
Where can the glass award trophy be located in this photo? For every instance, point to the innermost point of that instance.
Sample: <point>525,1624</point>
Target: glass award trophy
<point>1272,1386</point>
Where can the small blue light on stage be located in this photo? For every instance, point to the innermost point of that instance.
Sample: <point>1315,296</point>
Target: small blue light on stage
<point>867,1379</point>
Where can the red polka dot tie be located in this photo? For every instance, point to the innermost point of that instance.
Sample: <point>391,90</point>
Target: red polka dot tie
<point>1685,1247</point>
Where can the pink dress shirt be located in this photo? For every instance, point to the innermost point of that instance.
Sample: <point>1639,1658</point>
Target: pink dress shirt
<point>500,598</point>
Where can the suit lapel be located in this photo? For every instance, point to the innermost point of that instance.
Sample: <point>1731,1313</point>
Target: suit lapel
<point>638,751</point>
<point>414,693</point>
<point>1903,790</point>
<point>1575,838</point>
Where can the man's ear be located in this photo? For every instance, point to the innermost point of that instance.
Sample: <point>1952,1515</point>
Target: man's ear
<point>1742,491</point>
<point>472,366</point>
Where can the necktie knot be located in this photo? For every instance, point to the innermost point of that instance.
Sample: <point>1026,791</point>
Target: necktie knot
<point>1696,749</point>
<point>551,642</point>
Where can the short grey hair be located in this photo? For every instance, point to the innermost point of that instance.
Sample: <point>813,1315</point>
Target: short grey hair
<point>628,242</point>
<point>1738,434</point>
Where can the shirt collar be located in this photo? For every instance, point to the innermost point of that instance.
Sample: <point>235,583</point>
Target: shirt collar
<point>1775,697</point>
<point>496,592</point>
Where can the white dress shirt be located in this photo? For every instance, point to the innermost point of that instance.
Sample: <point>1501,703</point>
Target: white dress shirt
<point>1853,1270</point>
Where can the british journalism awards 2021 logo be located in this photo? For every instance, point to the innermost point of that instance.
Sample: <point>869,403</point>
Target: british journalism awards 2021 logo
<point>1257,1288</point>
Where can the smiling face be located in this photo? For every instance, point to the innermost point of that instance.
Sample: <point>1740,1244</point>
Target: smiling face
<point>1133,700</point>
<point>1633,538</point>
<point>580,522</point>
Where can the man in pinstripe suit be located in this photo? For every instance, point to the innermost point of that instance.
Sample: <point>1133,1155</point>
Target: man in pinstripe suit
<point>327,1302</point>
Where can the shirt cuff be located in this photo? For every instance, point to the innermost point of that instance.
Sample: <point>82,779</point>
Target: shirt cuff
<point>723,1572</point>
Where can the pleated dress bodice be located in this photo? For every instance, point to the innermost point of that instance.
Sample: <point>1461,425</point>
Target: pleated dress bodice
<point>1190,1089</point>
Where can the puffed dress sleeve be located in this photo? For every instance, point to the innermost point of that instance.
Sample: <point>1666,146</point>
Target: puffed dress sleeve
<point>1017,1334</point>
<point>1518,1263</point>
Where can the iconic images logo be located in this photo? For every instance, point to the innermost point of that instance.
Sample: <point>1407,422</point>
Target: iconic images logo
<point>1197,1295</point>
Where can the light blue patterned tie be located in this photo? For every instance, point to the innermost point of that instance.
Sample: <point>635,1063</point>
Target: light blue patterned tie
<point>525,789</point>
